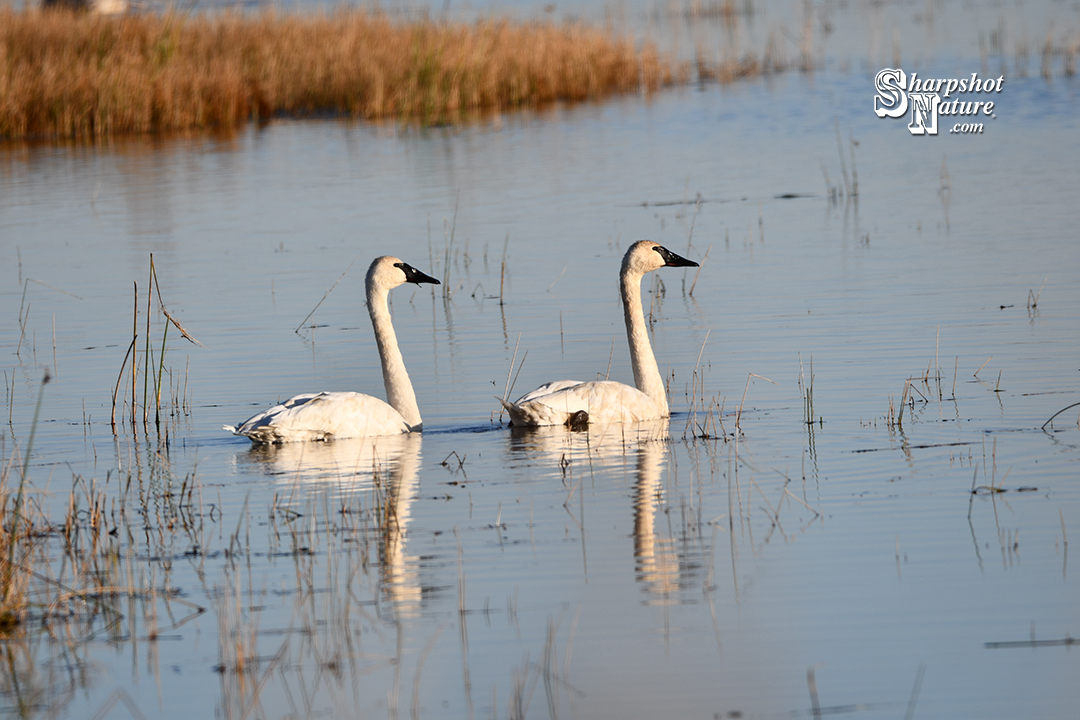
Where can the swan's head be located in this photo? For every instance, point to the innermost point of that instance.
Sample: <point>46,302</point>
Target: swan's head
<point>645,256</point>
<point>389,272</point>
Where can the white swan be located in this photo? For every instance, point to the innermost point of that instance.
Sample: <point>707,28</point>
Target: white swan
<point>329,415</point>
<point>573,402</point>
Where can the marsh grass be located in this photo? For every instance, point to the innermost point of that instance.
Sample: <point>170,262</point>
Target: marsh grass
<point>73,578</point>
<point>806,389</point>
<point>705,415</point>
<point>17,539</point>
<point>100,567</point>
<point>87,76</point>
<point>156,376</point>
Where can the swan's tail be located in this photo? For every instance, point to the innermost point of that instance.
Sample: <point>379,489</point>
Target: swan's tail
<point>517,415</point>
<point>532,414</point>
<point>259,435</point>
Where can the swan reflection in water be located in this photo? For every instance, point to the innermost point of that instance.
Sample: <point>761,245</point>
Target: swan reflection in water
<point>380,474</point>
<point>657,563</point>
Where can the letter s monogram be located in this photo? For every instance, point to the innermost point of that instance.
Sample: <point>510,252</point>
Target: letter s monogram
<point>891,100</point>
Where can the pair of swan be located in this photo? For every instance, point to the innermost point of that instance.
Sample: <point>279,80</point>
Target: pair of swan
<point>329,415</point>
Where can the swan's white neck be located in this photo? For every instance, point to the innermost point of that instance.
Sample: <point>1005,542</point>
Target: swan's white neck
<point>646,373</point>
<point>399,389</point>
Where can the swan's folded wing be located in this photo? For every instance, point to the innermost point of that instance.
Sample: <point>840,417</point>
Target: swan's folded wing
<point>547,389</point>
<point>323,416</point>
<point>603,401</point>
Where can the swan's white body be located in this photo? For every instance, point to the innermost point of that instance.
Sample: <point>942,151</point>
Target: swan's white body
<point>330,415</point>
<point>573,402</point>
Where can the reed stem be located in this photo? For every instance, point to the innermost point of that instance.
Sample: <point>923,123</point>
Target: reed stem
<point>13,537</point>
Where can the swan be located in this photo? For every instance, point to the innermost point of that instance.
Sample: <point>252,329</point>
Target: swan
<point>330,415</point>
<point>575,403</point>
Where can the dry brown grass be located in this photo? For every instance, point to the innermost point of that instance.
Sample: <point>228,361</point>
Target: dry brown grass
<point>17,541</point>
<point>65,74</point>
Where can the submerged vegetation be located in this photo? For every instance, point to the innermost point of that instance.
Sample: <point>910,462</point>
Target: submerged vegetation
<point>85,76</point>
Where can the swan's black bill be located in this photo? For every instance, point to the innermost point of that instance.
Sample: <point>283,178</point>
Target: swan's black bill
<point>673,260</point>
<point>415,276</point>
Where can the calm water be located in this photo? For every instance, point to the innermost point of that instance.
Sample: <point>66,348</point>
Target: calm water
<point>624,572</point>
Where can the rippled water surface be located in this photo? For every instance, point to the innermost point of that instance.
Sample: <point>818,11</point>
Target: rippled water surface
<point>772,569</point>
